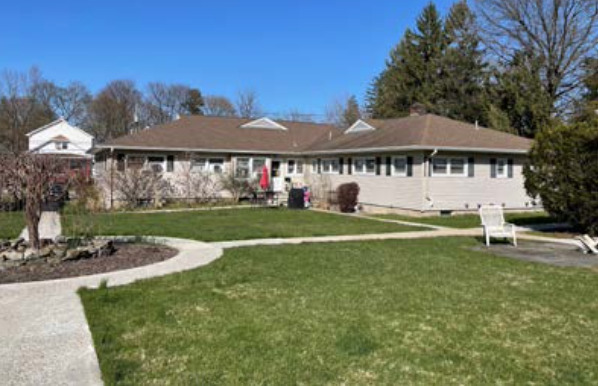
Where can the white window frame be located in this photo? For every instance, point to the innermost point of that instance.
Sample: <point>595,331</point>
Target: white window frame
<point>449,171</point>
<point>505,170</point>
<point>394,171</point>
<point>314,166</point>
<point>146,162</point>
<point>297,164</point>
<point>62,145</point>
<point>253,173</point>
<point>364,170</point>
<point>330,170</point>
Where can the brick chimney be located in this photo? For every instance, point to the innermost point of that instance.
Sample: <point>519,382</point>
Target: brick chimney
<point>417,109</point>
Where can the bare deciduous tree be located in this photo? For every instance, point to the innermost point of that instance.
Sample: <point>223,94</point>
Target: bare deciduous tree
<point>561,33</point>
<point>164,102</point>
<point>21,109</point>
<point>68,102</point>
<point>298,116</point>
<point>343,112</point>
<point>137,186</point>
<point>29,177</point>
<point>248,105</point>
<point>219,106</point>
<point>113,111</point>
<point>195,185</point>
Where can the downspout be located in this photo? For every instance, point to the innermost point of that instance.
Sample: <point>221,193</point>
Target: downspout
<point>111,178</point>
<point>427,196</point>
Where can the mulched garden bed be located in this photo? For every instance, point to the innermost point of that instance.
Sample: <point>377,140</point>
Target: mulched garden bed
<point>126,256</point>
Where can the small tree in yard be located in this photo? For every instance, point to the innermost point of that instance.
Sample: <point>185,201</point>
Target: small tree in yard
<point>237,187</point>
<point>30,177</point>
<point>135,186</point>
<point>347,197</point>
<point>563,172</point>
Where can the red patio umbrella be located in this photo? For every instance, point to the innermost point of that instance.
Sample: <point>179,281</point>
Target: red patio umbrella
<point>265,180</point>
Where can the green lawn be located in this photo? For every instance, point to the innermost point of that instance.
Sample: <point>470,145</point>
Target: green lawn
<point>473,220</point>
<point>11,224</point>
<point>386,312</point>
<point>230,224</point>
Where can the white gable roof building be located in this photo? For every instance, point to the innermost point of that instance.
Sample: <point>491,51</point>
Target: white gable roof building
<point>61,138</point>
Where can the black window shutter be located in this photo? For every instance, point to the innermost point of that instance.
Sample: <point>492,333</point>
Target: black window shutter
<point>471,166</point>
<point>492,167</point>
<point>349,166</point>
<point>170,163</point>
<point>510,169</point>
<point>409,166</point>
<point>340,165</point>
<point>388,166</point>
<point>319,165</point>
<point>378,165</point>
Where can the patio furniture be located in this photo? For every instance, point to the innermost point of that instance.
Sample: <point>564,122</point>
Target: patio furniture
<point>588,244</point>
<point>493,222</point>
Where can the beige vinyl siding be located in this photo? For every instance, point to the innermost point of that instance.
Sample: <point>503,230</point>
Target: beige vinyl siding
<point>382,190</point>
<point>463,193</point>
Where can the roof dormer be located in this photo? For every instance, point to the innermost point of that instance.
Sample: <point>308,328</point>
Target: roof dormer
<point>263,123</point>
<point>359,126</point>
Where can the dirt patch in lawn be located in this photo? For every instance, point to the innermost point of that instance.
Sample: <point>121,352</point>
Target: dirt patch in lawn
<point>561,255</point>
<point>126,256</point>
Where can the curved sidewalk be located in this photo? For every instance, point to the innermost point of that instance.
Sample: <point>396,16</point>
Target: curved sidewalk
<point>44,336</point>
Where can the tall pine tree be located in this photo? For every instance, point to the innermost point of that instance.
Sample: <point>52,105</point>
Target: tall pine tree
<point>439,65</point>
<point>413,70</point>
<point>464,73</point>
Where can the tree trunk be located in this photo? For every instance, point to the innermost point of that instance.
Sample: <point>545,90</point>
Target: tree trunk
<point>32,217</point>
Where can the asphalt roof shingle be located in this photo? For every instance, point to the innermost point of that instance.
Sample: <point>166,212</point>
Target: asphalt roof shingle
<point>216,133</point>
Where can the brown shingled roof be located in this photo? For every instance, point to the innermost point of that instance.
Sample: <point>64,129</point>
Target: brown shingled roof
<point>218,133</point>
<point>425,131</point>
<point>417,132</point>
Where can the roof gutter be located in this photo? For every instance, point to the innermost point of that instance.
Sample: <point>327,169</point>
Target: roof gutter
<point>321,152</point>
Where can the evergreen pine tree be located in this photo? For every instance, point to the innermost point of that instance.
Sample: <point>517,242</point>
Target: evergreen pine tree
<point>413,70</point>
<point>464,70</point>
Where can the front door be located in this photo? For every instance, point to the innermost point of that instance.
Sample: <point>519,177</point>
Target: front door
<point>276,176</point>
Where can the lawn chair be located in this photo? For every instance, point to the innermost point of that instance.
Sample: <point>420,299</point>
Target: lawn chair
<point>588,244</point>
<point>493,222</point>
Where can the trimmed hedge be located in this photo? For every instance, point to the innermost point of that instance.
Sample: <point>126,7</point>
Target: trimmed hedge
<point>347,197</point>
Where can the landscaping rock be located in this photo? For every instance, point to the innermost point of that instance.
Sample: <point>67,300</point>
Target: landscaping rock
<point>12,255</point>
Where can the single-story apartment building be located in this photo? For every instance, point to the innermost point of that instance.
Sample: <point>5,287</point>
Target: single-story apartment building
<point>423,164</point>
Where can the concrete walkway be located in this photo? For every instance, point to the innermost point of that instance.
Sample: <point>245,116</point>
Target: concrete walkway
<point>45,339</point>
<point>49,226</point>
<point>44,336</point>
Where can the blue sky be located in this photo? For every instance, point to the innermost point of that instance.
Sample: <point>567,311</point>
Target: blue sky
<point>294,54</point>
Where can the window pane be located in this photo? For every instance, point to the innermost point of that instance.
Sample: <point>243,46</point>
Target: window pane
<point>135,162</point>
<point>198,164</point>
<point>334,164</point>
<point>291,166</point>
<point>500,167</point>
<point>457,166</point>
<point>439,166</point>
<point>370,165</point>
<point>400,165</point>
<point>216,165</point>
<point>314,166</point>
<point>242,170</point>
<point>299,167</point>
<point>359,165</point>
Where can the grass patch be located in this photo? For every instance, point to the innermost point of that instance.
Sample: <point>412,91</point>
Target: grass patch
<point>473,220</point>
<point>230,224</point>
<point>387,312</point>
<point>11,224</point>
